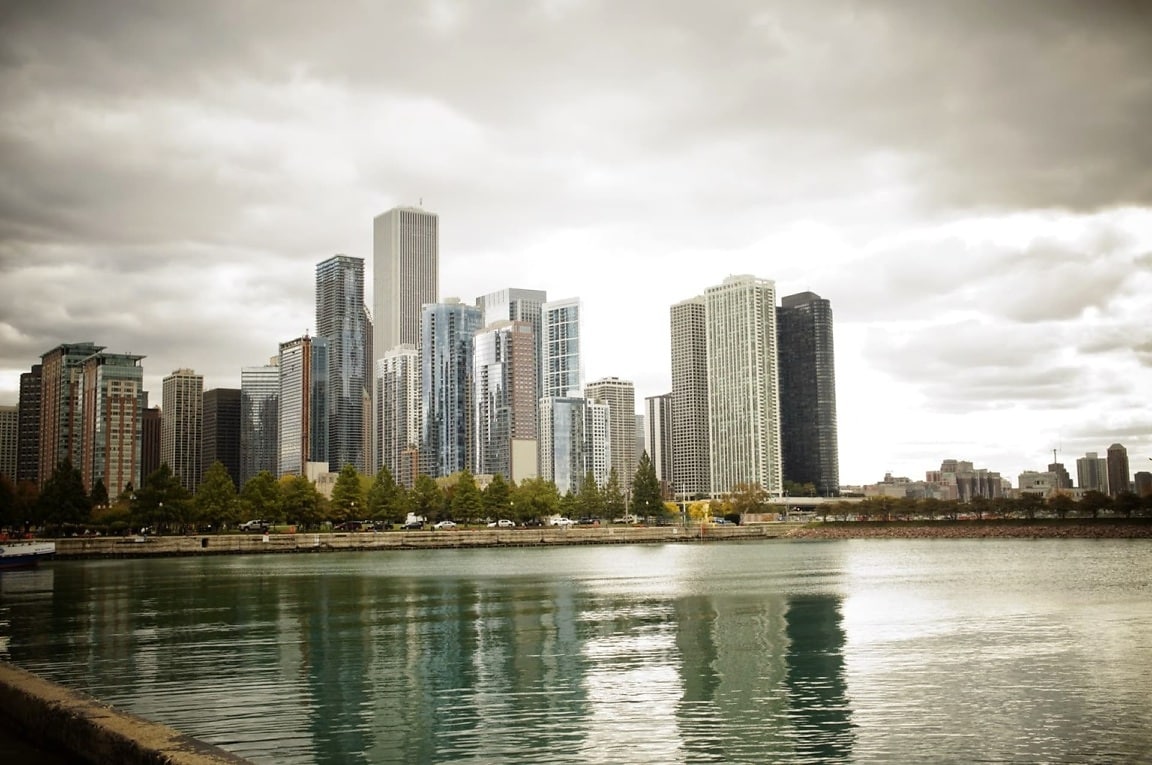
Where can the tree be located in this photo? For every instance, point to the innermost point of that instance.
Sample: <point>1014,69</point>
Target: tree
<point>646,494</point>
<point>569,505</point>
<point>63,499</point>
<point>99,495</point>
<point>162,502</point>
<point>1029,504</point>
<point>260,497</point>
<point>348,496</point>
<point>1061,504</point>
<point>8,516</point>
<point>591,503</point>
<point>613,497</point>
<point>1094,501</point>
<point>497,498</point>
<point>467,504</point>
<point>216,502</point>
<point>1126,503</point>
<point>386,498</point>
<point>747,498</point>
<point>535,498</point>
<point>300,503</point>
<point>427,500</point>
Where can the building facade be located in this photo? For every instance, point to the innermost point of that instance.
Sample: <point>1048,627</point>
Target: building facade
<point>149,443</point>
<point>1092,473</point>
<point>658,438</point>
<point>691,473</point>
<point>60,429</point>
<point>1119,475</point>
<point>259,420</point>
<point>405,274</point>
<point>743,386</point>
<point>112,413</point>
<point>28,448</point>
<point>181,423</point>
<point>341,319</point>
<point>221,432</point>
<point>561,361</point>
<point>397,416</point>
<point>447,333</point>
<point>807,368</point>
<point>9,440</point>
<point>563,442</point>
<point>505,408</point>
<point>620,398</point>
<point>515,304</point>
<point>302,422</point>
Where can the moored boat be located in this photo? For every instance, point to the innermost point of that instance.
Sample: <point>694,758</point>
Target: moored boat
<point>25,554</point>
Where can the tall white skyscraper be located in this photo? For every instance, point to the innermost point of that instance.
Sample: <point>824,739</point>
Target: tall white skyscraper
<point>405,275</point>
<point>181,418</point>
<point>690,466</point>
<point>447,331</point>
<point>397,414</point>
<point>658,436</point>
<point>561,363</point>
<point>620,397</point>
<point>743,389</point>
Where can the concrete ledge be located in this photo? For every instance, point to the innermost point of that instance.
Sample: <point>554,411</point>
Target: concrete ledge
<point>68,722</point>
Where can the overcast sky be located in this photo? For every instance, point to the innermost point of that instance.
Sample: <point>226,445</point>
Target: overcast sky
<point>969,183</point>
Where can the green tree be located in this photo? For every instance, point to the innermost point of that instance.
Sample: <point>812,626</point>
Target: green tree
<point>646,495</point>
<point>386,498</point>
<point>467,503</point>
<point>427,500</point>
<point>99,495</point>
<point>8,516</point>
<point>535,498</point>
<point>591,502</point>
<point>260,497</point>
<point>979,506</point>
<point>216,502</point>
<point>1061,504</point>
<point>1029,503</point>
<point>613,497</point>
<point>569,505</point>
<point>747,498</point>
<point>348,501</point>
<point>1094,501</point>
<point>300,503</point>
<point>1126,503</point>
<point>162,502</point>
<point>497,498</point>
<point>63,499</point>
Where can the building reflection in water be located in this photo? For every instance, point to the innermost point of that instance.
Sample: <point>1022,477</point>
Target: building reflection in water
<point>820,715</point>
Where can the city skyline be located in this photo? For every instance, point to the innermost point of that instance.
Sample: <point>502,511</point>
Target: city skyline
<point>966,184</point>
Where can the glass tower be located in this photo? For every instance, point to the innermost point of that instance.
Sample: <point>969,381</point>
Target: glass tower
<point>341,320</point>
<point>447,332</point>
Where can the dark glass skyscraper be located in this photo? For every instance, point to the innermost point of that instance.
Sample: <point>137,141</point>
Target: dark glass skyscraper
<point>342,320</point>
<point>808,392</point>
<point>220,435</point>
<point>28,434</point>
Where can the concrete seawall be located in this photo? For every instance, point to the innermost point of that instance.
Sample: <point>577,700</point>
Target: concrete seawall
<point>210,544</point>
<point>81,729</point>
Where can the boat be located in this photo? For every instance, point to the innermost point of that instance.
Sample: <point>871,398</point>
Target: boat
<point>25,554</point>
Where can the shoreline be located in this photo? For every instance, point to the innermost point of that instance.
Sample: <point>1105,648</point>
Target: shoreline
<point>1047,528</point>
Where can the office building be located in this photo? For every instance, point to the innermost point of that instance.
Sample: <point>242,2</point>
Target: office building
<point>1118,471</point>
<point>620,397</point>
<point>221,432</point>
<point>1143,483</point>
<point>259,420</point>
<point>658,438</point>
<point>149,443</point>
<point>28,447</point>
<point>563,424</point>
<point>397,416</point>
<point>181,423</point>
<point>342,320</point>
<point>447,333</point>
<point>1092,473</point>
<point>743,386</point>
<point>515,304</point>
<point>112,411</point>
<point>505,404</point>
<point>807,367</point>
<point>60,405</point>
<point>405,275</point>
<point>690,456</point>
<point>9,440</point>
<point>302,423</point>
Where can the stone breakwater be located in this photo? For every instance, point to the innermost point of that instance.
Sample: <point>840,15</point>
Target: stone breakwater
<point>1108,529</point>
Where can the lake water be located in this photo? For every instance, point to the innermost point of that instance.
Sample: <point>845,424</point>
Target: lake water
<point>825,652</point>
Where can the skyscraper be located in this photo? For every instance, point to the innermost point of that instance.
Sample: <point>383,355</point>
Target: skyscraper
<point>620,397</point>
<point>505,405</point>
<point>221,432</point>
<point>597,446</point>
<point>743,387</point>
<point>28,447</point>
<point>690,456</point>
<point>112,411</point>
<point>406,275</point>
<point>181,420</point>
<point>447,332</point>
<point>342,321</point>
<point>518,305</point>
<point>808,392</point>
<point>60,405</point>
<point>302,426</point>
<point>658,437</point>
<point>397,417</point>
<point>259,420</point>
<point>1092,473</point>
<point>563,441</point>
<point>561,362</point>
<point>149,443</point>
<point>1118,472</point>
<point>9,440</point>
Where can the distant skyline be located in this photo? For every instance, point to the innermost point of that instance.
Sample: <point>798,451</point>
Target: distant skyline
<point>966,182</point>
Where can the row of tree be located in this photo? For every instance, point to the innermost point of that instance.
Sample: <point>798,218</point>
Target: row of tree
<point>1093,504</point>
<point>164,505</point>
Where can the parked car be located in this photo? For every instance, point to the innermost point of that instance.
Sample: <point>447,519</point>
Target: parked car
<point>589,521</point>
<point>562,522</point>
<point>444,525</point>
<point>503,523</point>
<point>627,519</point>
<point>414,524</point>
<point>254,525</point>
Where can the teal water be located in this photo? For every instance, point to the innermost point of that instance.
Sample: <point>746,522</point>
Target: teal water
<point>825,652</point>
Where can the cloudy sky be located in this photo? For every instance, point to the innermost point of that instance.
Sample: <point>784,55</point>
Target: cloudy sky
<point>969,183</point>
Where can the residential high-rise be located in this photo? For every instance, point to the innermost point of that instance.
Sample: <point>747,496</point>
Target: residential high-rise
<point>259,420</point>
<point>302,426</point>
<point>112,411</point>
<point>405,274</point>
<point>1143,482</point>
<point>60,405</point>
<point>221,432</point>
<point>504,384</point>
<point>597,446</point>
<point>563,442</point>
<point>9,440</point>
<point>690,456</point>
<point>28,448</point>
<point>743,385</point>
<point>620,397</point>
<point>397,417</point>
<point>1063,480</point>
<point>181,423</point>
<point>658,438</point>
<point>341,319</point>
<point>149,443</point>
<point>807,366</point>
<point>447,332</point>
<point>514,304</point>
<point>1092,473</point>
<point>561,362</point>
<point>1119,480</point>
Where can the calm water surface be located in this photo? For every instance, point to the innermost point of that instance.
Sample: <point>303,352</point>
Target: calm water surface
<point>846,651</point>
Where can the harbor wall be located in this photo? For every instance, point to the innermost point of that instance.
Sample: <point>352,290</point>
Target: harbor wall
<point>81,729</point>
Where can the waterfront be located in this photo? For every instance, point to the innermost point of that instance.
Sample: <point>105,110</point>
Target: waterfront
<point>772,651</point>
